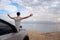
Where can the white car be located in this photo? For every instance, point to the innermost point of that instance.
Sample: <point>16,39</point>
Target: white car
<point>9,32</point>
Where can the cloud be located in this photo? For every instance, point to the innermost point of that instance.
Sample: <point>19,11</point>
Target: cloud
<point>5,8</point>
<point>4,5</point>
<point>43,10</point>
<point>5,2</point>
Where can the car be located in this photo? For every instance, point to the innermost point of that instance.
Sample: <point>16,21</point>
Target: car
<point>8,31</point>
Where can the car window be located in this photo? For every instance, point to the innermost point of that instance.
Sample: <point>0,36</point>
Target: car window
<point>5,28</point>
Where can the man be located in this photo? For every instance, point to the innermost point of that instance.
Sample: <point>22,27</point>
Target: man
<point>18,19</point>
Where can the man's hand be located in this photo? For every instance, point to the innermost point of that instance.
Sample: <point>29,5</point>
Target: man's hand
<point>31,14</point>
<point>8,14</point>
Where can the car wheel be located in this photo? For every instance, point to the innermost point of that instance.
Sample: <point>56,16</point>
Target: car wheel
<point>26,38</point>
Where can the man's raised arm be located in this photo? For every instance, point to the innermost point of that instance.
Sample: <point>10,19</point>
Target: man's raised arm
<point>10,16</point>
<point>28,16</point>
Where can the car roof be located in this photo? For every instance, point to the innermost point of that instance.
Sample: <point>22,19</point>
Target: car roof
<point>12,26</point>
<point>8,21</point>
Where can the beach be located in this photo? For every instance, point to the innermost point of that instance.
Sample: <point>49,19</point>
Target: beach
<point>44,36</point>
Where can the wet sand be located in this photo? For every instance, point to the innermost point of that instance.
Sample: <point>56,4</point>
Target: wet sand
<point>44,36</point>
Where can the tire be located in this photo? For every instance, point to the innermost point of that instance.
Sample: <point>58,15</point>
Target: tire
<point>26,38</point>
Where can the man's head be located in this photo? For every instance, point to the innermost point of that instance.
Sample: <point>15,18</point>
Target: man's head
<point>18,13</point>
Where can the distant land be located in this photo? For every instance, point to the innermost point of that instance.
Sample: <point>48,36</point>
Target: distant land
<point>41,22</point>
<point>37,22</point>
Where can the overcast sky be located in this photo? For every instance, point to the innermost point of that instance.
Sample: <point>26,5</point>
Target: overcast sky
<point>43,10</point>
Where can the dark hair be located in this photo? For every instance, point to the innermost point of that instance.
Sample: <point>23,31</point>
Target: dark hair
<point>18,13</point>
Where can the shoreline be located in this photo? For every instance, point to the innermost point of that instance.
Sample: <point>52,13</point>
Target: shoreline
<point>44,36</point>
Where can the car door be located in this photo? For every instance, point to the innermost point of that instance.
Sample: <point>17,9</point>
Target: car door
<point>8,31</point>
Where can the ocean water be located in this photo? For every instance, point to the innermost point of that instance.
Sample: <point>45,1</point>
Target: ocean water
<point>42,27</point>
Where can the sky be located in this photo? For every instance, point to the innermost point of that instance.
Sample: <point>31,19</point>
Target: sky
<point>43,10</point>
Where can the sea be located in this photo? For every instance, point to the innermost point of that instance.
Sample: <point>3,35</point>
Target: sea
<point>41,26</point>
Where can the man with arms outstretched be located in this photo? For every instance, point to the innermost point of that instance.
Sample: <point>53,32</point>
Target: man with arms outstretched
<point>18,19</point>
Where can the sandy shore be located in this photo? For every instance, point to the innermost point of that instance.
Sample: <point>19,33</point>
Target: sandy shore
<point>44,36</point>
